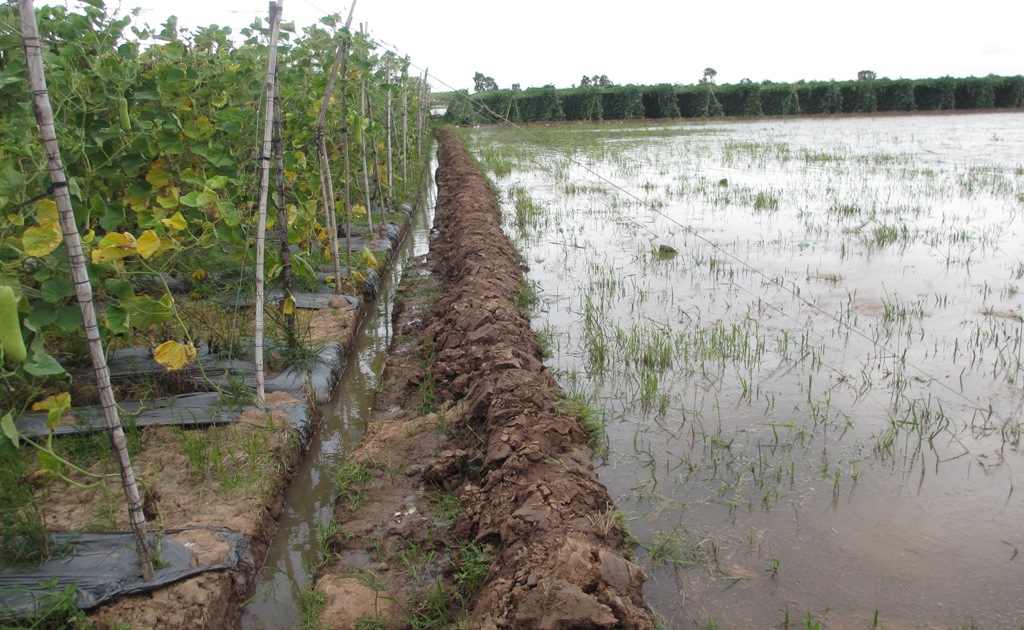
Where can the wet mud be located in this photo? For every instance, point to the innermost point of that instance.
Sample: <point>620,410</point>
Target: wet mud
<point>494,437</point>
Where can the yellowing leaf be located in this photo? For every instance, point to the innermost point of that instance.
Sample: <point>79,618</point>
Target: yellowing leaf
<point>148,244</point>
<point>46,209</point>
<point>114,246</point>
<point>199,274</point>
<point>177,222</point>
<point>174,355</point>
<point>55,406</point>
<point>118,239</point>
<point>358,210</point>
<point>158,175</point>
<point>170,200</point>
<point>370,259</point>
<point>43,238</point>
<point>355,275</point>
<point>288,305</point>
<point>89,236</point>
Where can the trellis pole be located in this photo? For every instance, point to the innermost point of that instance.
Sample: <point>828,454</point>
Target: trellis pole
<point>282,212</point>
<point>362,141</point>
<point>388,122</point>
<point>261,225</point>
<point>80,277</point>
<point>326,180</point>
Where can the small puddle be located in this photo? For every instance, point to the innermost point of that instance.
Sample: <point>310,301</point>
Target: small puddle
<point>287,569</point>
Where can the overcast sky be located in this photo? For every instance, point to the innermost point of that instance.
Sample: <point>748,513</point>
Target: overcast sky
<point>536,42</point>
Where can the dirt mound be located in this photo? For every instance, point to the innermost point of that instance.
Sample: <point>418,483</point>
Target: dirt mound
<point>532,492</point>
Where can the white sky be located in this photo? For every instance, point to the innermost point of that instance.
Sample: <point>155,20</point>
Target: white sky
<point>535,42</point>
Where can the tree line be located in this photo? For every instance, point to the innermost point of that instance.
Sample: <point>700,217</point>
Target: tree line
<point>602,100</point>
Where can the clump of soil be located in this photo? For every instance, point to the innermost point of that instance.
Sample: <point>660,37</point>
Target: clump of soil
<point>521,469</point>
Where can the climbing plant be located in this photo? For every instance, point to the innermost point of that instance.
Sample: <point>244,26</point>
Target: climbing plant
<point>160,129</point>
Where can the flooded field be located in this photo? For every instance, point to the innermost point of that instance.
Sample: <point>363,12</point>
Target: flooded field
<point>813,409</point>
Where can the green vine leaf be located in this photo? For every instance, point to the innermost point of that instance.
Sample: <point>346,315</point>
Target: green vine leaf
<point>144,311</point>
<point>43,365</point>
<point>9,429</point>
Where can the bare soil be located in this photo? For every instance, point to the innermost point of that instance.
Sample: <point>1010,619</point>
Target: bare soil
<point>494,438</point>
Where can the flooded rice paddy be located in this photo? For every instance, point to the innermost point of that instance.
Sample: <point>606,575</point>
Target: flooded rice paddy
<point>813,410</point>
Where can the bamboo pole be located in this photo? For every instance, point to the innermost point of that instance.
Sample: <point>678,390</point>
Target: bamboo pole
<point>326,183</point>
<point>345,153</point>
<point>326,180</point>
<point>80,277</point>
<point>282,212</point>
<point>362,142</point>
<point>421,115</point>
<point>387,129</point>
<point>405,127</point>
<point>261,224</point>
<point>384,203</point>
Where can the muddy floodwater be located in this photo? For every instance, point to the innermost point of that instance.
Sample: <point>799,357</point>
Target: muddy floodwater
<point>814,407</point>
<point>305,522</point>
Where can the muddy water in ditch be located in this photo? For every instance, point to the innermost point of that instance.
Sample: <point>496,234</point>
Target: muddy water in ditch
<point>815,407</point>
<point>308,505</point>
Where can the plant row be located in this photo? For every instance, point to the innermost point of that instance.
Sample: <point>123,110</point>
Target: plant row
<point>160,134</point>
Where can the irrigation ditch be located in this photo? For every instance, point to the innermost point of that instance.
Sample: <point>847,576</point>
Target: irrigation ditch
<point>215,473</point>
<point>473,495</point>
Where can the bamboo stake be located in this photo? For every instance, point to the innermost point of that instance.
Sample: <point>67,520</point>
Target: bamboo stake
<point>326,184</point>
<point>384,203</point>
<point>405,127</point>
<point>261,225</point>
<point>345,154</point>
<point>387,129</point>
<point>282,212</point>
<point>326,180</point>
<point>362,141</point>
<point>421,116</point>
<point>83,288</point>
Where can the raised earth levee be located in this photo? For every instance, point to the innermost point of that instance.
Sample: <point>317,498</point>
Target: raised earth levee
<point>496,438</point>
<point>536,496</point>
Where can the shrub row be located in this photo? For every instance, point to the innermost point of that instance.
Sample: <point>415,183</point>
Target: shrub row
<point>739,99</point>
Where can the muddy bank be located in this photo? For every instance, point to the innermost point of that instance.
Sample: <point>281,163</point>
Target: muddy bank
<point>536,496</point>
<point>529,498</point>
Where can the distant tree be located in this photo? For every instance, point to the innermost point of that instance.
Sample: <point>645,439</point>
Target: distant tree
<point>866,75</point>
<point>483,83</point>
<point>598,80</point>
<point>711,105</point>
<point>515,87</point>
